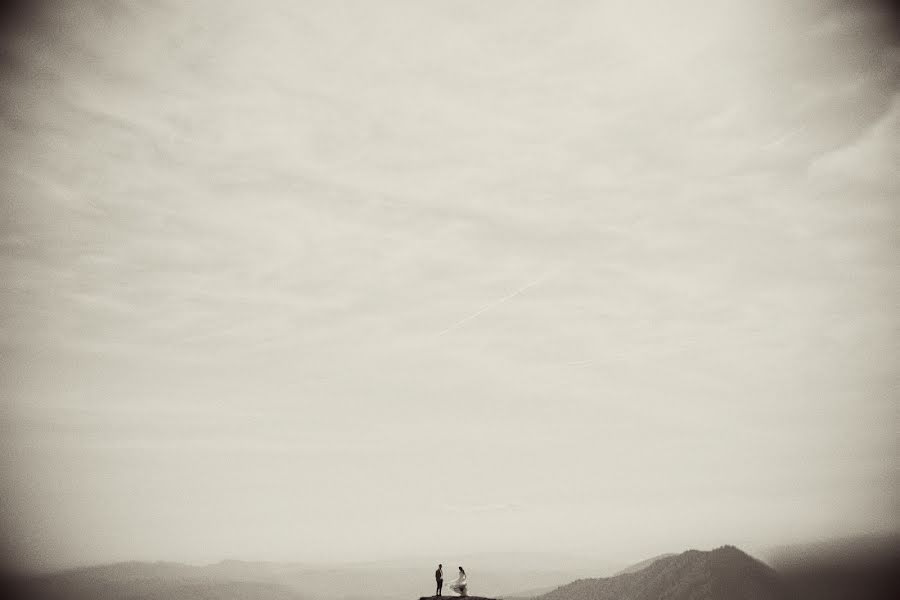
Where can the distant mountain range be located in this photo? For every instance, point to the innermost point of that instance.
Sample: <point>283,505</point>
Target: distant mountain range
<point>490,575</point>
<point>725,573</point>
<point>85,587</point>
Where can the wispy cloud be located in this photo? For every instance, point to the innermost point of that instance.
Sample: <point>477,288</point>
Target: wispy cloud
<point>495,304</point>
<point>608,235</point>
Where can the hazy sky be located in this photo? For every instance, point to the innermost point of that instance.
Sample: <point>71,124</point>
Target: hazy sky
<point>347,280</point>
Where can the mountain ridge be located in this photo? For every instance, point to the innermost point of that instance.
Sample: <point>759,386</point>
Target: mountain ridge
<point>643,564</point>
<point>725,573</point>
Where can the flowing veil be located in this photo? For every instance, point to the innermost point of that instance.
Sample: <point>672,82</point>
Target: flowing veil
<point>460,586</point>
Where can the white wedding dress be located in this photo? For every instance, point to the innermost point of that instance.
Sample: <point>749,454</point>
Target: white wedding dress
<point>460,586</point>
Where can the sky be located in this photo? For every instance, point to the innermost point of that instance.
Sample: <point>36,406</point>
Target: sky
<point>335,281</point>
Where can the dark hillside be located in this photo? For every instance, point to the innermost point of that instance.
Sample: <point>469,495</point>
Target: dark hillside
<point>722,574</point>
<point>853,569</point>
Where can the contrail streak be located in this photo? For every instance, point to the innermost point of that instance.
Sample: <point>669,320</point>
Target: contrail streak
<point>494,304</point>
<point>580,363</point>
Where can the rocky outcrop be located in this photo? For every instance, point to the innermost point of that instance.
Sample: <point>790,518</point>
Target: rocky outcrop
<point>454,597</point>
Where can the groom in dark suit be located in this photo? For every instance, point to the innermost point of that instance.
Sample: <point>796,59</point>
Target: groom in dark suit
<point>439,579</point>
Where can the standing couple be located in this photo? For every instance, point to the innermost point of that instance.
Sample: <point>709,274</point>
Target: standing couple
<point>459,586</point>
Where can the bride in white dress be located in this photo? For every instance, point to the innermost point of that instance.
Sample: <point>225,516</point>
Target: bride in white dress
<point>460,586</point>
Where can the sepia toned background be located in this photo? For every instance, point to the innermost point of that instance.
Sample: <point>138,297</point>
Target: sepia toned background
<point>334,281</point>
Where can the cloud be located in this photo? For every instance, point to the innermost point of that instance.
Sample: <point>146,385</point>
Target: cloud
<point>281,210</point>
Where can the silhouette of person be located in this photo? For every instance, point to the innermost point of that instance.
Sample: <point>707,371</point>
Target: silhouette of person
<point>439,579</point>
<point>461,585</point>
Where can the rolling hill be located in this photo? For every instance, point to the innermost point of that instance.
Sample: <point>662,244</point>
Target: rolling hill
<point>722,574</point>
